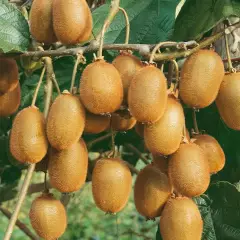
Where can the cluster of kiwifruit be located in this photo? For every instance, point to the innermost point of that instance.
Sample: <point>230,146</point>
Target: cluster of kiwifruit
<point>119,96</point>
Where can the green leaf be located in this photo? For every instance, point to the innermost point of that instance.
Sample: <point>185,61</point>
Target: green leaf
<point>150,22</point>
<point>14,29</point>
<point>199,16</point>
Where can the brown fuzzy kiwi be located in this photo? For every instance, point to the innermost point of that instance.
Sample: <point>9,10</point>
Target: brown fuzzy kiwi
<point>66,121</point>
<point>181,220</point>
<point>72,21</point>
<point>111,184</point>
<point>68,168</point>
<point>96,123</point>
<point>188,170</point>
<point>165,135</point>
<point>213,151</point>
<point>10,101</point>
<point>28,140</point>
<point>201,76</point>
<point>139,128</point>
<point>8,75</point>
<point>151,191</point>
<point>122,121</point>
<point>127,65</point>
<point>101,89</point>
<point>48,217</point>
<point>41,21</point>
<point>147,94</point>
<point>160,162</point>
<point>228,100</point>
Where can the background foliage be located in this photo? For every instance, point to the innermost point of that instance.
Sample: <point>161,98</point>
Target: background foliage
<point>151,21</point>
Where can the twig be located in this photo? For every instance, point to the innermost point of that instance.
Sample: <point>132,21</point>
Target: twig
<point>75,72</point>
<point>20,200</point>
<point>132,168</point>
<point>127,24</point>
<point>37,187</point>
<point>176,73</point>
<point>97,140</point>
<point>136,151</point>
<point>230,66</point>
<point>38,87</point>
<point>24,189</point>
<point>21,225</point>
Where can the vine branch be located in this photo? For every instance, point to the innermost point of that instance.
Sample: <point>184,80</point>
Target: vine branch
<point>136,151</point>
<point>20,225</point>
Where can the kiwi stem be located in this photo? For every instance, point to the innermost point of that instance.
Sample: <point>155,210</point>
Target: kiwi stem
<point>45,182</point>
<point>75,72</point>
<point>137,152</point>
<point>127,25</point>
<point>177,75</point>
<point>195,124</point>
<point>38,87</point>
<point>113,11</point>
<point>20,200</point>
<point>158,46</point>
<point>230,66</point>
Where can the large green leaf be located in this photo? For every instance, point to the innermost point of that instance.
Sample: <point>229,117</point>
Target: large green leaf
<point>14,30</point>
<point>199,16</point>
<point>150,21</point>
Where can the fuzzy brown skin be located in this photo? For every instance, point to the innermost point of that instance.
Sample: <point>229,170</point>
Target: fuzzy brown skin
<point>165,135</point>
<point>68,168</point>
<point>181,220</point>
<point>66,121</point>
<point>101,89</point>
<point>96,123</point>
<point>41,21</point>
<point>151,191</point>
<point>8,75</point>
<point>161,163</point>
<point>127,65</point>
<point>72,21</point>
<point>121,121</point>
<point>28,140</point>
<point>201,76</point>
<point>213,150</point>
<point>48,217</point>
<point>10,101</point>
<point>111,184</point>
<point>228,100</point>
<point>188,170</point>
<point>147,95</point>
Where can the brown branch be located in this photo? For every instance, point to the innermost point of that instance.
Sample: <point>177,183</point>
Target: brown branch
<point>132,168</point>
<point>20,225</point>
<point>97,140</point>
<point>37,187</point>
<point>137,152</point>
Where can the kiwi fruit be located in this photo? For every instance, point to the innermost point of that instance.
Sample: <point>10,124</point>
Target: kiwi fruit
<point>228,100</point>
<point>188,170</point>
<point>181,220</point>
<point>96,123</point>
<point>151,191</point>
<point>101,89</point>
<point>139,128</point>
<point>213,151</point>
<point>68,168</point>
<point>72,21</point>
<point>165,135</point>
<point>160,162</point>
<point>127,65</point>
<point>8,75</point>
<point>10,101</point>
<point>66,121</point>
<point>28,140</point>
<point>48,217</point>
<point>122,121</point>
<point>111,184</point>
<point>41,21</point>
<point>147,94</point>
<point>201,76</point>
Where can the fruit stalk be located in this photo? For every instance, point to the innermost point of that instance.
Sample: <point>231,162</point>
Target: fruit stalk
<point>24,189</point>
<point>177,75</point>
<point>136,151</point>
<point>195,124</point>
<point>127,25</point>
<point>230,66</point>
